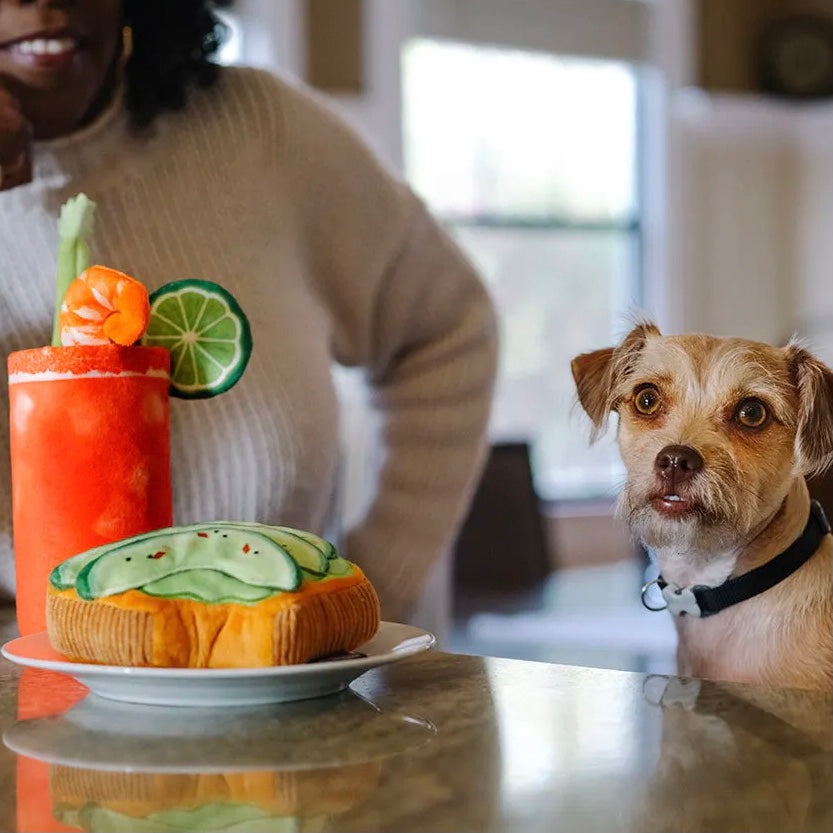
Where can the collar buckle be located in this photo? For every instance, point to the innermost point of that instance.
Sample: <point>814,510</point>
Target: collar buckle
<point>681,601</point>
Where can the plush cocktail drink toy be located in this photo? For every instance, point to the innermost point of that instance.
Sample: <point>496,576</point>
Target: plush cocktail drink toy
<point>89,415</point>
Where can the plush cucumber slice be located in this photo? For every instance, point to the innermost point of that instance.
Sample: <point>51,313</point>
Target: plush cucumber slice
<point>207,333</point>
<point>244,554</point>
<point>207,586</point>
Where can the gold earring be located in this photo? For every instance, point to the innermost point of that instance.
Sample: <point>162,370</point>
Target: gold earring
<point>126,43</point>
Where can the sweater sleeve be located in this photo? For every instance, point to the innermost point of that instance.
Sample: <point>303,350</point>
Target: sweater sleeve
<point>407,307</point>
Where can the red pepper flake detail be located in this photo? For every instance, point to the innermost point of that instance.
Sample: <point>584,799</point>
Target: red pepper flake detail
<point>157,554</point>
<point>202,534</point>
<point>246,548</point>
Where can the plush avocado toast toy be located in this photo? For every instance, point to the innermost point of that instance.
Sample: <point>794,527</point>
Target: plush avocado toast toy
<point>217,595</point>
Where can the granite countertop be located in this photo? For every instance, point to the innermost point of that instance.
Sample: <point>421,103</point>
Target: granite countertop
<point>439,742</point>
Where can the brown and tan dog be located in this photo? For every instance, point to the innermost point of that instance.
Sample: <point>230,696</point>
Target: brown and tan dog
<point>717,436</point>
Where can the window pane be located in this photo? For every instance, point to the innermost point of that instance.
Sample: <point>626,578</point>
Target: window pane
<point>560,293</point>
<point>500,132</point>
<point>530,159</point>
<point>231,51</point>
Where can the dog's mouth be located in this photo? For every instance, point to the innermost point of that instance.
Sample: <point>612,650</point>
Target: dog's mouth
<point>673,505</point>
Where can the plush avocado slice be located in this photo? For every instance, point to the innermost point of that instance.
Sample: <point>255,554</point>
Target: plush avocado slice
<point>64,575</point>
<point>288,538</point>
<point>309,551</point>
<point>308,556</point>
<point>321,544</point>
<point>240,552</point>
<point>340,567</point>
<point>207,586</point>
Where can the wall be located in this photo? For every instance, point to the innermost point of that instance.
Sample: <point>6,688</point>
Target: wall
<point>754,202</point>
<point>814,237</point>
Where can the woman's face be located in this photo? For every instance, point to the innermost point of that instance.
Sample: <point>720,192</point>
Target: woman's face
<point>57,57</point>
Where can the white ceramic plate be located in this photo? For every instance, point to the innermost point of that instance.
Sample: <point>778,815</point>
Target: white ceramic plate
<point>224,686</point>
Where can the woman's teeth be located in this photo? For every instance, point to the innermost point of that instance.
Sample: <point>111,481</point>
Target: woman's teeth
<point>46,46</point>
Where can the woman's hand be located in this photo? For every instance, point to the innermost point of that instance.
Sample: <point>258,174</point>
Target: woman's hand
<point>15,143</point>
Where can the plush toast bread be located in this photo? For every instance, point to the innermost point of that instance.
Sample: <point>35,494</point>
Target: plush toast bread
<point>219,595</point>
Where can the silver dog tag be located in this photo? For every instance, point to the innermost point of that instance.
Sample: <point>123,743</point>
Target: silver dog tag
<point>680,600</point>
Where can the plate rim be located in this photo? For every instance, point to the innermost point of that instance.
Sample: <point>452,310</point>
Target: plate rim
<point>420,640</point>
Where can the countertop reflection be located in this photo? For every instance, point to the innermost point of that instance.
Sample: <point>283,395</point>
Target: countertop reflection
<point>441,742</point>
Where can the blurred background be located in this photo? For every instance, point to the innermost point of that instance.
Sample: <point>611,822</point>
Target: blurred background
<point>599,160</point>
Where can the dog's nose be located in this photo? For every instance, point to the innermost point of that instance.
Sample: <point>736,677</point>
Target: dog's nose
<point>678,462</point>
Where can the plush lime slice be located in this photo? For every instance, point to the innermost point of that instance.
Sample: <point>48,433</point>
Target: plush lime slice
<point>207,333</point>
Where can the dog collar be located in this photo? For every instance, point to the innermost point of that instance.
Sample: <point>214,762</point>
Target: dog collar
<point>701,601</point>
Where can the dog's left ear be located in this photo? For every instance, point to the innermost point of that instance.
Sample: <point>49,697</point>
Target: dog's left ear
<point>814,434</point>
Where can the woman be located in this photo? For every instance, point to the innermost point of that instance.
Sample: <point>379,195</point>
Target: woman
<point>254,184</point>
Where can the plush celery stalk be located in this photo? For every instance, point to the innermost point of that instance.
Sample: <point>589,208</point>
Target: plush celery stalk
<point>75,225</point>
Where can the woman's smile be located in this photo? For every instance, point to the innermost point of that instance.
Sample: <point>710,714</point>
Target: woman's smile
<point>44,51</point>
<point>56,59</point>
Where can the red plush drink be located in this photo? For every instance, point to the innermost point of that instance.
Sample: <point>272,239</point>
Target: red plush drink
<point>90,455</point>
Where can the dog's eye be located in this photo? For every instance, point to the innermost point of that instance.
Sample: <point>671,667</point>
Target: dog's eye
<point>647,400</point>
<point>751,413</point>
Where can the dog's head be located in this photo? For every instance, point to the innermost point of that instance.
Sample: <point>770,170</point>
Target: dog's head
<point>711,430</point>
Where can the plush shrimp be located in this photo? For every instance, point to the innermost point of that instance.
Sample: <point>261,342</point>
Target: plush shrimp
<point>104,306</point>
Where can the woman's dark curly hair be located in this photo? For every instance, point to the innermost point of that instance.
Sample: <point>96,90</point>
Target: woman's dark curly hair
<point>173,45</point>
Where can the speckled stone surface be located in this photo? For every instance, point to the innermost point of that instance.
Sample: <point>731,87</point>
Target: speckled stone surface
<point>435,743</point>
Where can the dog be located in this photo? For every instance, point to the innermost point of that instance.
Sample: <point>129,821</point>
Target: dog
<point>718,436</point>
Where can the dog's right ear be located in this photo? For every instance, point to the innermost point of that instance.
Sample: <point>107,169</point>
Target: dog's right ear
<point>592,375</point>
<point>596,373</point>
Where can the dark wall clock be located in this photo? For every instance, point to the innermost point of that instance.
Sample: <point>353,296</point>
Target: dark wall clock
<point>795,57</point>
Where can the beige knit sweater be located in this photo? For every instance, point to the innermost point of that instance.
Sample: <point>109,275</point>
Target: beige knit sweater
<point>257,186</point>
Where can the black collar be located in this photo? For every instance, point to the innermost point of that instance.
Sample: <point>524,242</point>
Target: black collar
<point>702,601</point>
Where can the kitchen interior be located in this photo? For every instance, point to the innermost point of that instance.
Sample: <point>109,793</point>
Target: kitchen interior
<point>600,161</point>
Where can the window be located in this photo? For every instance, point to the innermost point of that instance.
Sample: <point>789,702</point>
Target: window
<point>231,52</point>
<point>531,161</point>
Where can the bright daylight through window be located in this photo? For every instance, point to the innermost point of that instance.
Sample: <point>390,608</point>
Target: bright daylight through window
<point>531,161</point>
